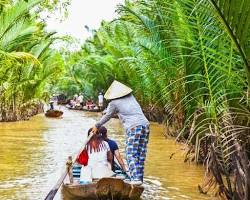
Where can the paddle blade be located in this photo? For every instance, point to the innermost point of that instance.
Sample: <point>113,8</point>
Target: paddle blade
<point>51,194</point>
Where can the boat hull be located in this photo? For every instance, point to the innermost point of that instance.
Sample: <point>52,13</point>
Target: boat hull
<point>91,110</point>
<point>83,109</point>
<point>53,113</point>
<point>62,102</point>
<point>104,189</point>
<point>81,192</point>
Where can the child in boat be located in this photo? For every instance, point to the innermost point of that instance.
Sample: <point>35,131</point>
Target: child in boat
<point>99,159</point>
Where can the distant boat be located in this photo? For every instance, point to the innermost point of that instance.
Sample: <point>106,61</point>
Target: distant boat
<point>53,113</point>
<point>62,102</point>
<point>83,109</point>
<point>73,108</point>
<point>91,110</point>
<point>105,188</point>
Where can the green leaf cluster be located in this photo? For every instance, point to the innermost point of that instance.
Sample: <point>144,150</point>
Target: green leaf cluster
<point>27,63</point>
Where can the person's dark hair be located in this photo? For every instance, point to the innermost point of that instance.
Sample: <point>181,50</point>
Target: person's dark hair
<point>103,131</point>
<point>89,131</point>
<point>95,143</point>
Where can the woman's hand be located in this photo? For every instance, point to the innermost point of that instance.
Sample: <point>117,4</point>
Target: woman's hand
<point>125,168</point>
<point>94,130</point>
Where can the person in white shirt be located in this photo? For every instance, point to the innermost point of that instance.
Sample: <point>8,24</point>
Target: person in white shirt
<point>81,99</point>
<point>100,100</point>
<point>99,159</point>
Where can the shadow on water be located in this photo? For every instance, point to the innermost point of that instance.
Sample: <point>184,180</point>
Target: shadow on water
<point>33,155</point>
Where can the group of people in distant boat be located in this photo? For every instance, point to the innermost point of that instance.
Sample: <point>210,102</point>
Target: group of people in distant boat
<point>100,151</point>
<point>78,102</point>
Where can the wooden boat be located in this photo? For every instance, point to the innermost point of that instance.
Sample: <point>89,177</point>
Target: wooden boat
<point>91,110</point>
<point>53,113</point>
<point>84,109</point>
<point>103,189</point>
<point>62,99</point>
<point>62,102</point>
<point>73,108</point>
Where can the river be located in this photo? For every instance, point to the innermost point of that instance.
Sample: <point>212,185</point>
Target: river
<point>33,155</point>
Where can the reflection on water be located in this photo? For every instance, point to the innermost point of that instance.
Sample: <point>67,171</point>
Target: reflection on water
<point>33,155</point>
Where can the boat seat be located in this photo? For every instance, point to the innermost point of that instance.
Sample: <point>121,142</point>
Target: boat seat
<point>76,170</point>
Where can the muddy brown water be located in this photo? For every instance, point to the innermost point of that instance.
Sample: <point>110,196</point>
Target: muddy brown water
<point>33,155</point>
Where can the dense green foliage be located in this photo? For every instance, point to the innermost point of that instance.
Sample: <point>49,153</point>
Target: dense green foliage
<point>28,64</point>
<point>188,59</point>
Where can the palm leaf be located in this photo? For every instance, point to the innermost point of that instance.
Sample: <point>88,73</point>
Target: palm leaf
<point>235,17</point>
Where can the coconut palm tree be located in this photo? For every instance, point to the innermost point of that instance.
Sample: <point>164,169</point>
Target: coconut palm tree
<point>27,62</point>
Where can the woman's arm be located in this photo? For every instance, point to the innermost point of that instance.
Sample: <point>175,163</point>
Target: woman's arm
<point>110,158</point>
<point>120,160</point>
<point>111,109</point>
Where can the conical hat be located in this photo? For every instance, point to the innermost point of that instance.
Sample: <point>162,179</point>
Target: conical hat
<point>117,90</point>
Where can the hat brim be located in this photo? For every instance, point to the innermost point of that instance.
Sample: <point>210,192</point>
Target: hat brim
<point>117,90</point>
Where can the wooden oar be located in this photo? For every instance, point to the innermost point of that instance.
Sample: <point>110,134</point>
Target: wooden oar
<point>53,191</point>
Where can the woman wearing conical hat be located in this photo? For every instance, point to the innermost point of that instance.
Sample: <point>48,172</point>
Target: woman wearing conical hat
<point>123,103</point>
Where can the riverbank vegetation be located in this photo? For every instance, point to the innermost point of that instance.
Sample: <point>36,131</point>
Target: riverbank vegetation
<point>27,63</point>
<point>188,64</point>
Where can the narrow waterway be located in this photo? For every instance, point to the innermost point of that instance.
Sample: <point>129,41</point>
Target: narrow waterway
<point>33,155</point>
